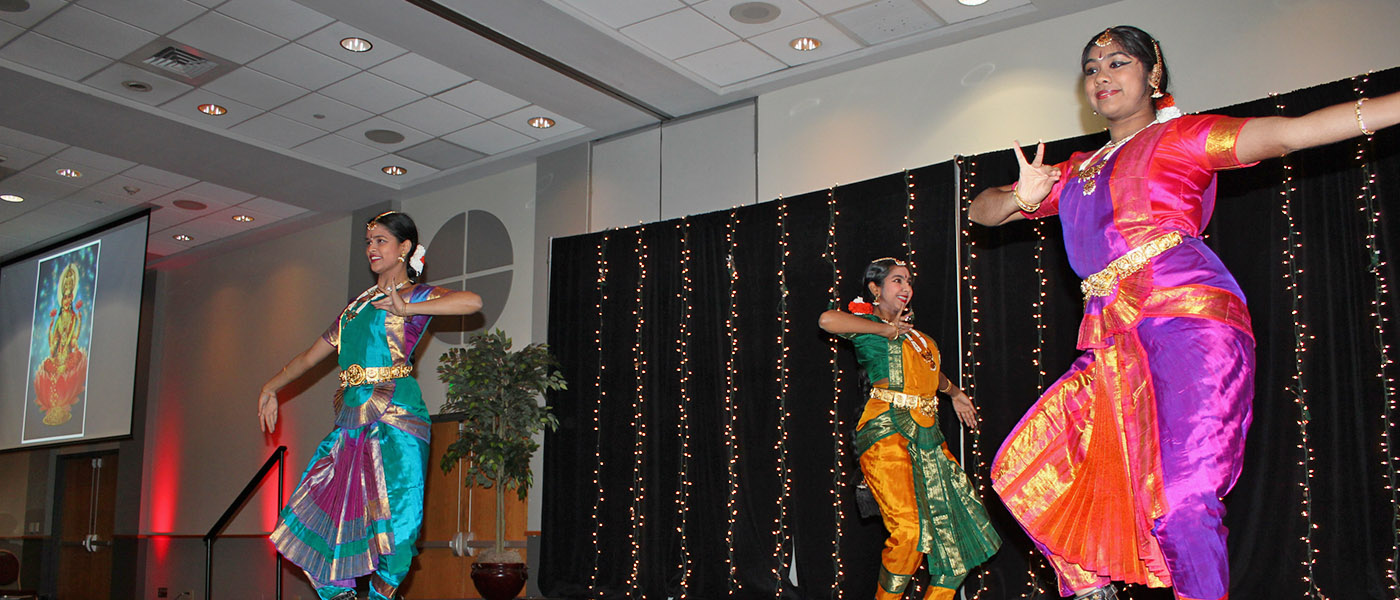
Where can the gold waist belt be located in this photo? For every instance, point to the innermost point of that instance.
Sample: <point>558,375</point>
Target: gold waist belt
<point>358,375</point>
<point>927,404</point>
<point>1104,282</point>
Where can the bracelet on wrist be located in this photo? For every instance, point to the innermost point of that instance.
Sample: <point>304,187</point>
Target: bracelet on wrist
<point>1021,202</point>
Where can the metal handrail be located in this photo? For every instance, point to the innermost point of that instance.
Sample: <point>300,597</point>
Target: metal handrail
<point>279,458</point>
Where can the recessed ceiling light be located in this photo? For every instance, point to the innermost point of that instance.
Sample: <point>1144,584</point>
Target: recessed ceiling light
<point>180,237</point>
<point>136,86</point>
<point>355,44</point>
<point>212,109</point>
<point>394,170</point>
<point>243,218</point>
<point>190,204</point>
<point>541,122</point>
<point>11,198</point>
<point>70,173</point>
<point>14,5</point>
<point>971,2</point>
<point>804,44</point>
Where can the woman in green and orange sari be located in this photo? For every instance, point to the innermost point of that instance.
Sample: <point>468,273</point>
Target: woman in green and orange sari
<point>928,505</point>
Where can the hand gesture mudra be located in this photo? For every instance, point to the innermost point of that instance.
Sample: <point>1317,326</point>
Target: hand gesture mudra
<point>1036,177</point>
<point>392,303</point>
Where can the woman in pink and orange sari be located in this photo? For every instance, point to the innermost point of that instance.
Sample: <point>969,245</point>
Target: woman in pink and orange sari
<point>1118,471</point>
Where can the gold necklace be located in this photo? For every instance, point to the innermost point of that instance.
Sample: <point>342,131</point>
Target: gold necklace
<point>916,340</point>
<point>1089,173</point>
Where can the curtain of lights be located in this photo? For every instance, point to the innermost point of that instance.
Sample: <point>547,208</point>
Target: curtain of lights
<point>704,447</point>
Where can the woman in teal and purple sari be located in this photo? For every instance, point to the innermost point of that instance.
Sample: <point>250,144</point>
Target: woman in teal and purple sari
<point>359,506</point>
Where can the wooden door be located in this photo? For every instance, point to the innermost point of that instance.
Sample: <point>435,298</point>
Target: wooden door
<point>85,519</point>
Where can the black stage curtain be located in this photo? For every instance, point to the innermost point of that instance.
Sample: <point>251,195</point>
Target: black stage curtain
<point>704,446</point>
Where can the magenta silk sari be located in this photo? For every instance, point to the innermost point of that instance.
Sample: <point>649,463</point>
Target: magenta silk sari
<point>1118,471</point>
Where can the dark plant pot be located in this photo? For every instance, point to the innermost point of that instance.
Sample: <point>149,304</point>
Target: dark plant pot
<point>498,581</point>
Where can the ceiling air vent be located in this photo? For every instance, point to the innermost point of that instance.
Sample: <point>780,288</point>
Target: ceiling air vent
<point>180,62</point>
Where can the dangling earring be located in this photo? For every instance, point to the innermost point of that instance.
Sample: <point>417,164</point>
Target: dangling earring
<point>876,302</point>
<point>1154,79</point>
<point>401,257</point>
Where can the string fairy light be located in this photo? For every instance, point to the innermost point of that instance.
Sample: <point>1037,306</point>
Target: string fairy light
<point>686,565</point>
<point>638,424</point>
<point>731,390</point>
<point>1293,273</point>
<point>1370,207</point>
<point>600,286</point>
<point>838,464</point>
<point>967,375</point>
<point>1035,563</point>
<point>781,536</point>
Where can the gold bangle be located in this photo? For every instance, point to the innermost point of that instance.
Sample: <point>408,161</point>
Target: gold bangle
<point>1359,123</point>
<point>947,389</point>
<point>1022,204</point>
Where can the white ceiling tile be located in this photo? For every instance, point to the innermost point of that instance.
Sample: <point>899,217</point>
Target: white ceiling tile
<point>30,142</point>
<point>357,132</point>
<point>412,170</point>
<point>520,121</point>
<point>268,206</point>
<point>226,37</point>
<point>17,158</point>
<point>679,33</point>
<point>90,205</point>
<point>162,89</point>
<point>257,89</point>
<point>789,12</point>
<point>52,56</point>
<point>49,167</point>
<point>337,150</point>
<point>10,244</point>
<point>61,216</point>
<point>11,211</point>
<point>414,71</point>
<point>323,113</point>
<point>38,11</point>
<point>162,245</point>
<point>481,99</point>
<point>326,40</point>
<point>282,17</point>
<point>260,218</point>
<point>440,154</point>
<point>887,20</point>
<point>303,66</point>
<point>953,11</point>
<point>489,138</point>
<point>9,32</point>
<point>779,43</point>
<point>94,32</point>
<point>371,92</point>
<point>433,116</point>
<point>620,13</point>
<point>827,7</point>
<point>151,174</point>
<point>188,106</point>
<point>133,189</point>
<point>214,193</point>
<point>104,162</point>
<point>200,232</point>
<point>219,224</point>
<point>36,189</point>
<point>277,130</point>
<point>165,215</point>
<point>732,63</point>
<point>157,16</point>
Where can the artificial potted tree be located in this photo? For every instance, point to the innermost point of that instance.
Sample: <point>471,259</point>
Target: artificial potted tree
<point>496,394</point>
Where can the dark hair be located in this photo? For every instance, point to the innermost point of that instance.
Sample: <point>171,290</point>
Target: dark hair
<point>878,269</point>
<point>1138,44</point>
<point>402,228</point>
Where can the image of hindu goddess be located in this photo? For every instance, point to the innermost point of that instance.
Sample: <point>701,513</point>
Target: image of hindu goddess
<point>62,377</point>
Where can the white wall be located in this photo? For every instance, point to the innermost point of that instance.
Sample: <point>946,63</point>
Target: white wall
<point>1023,84</point>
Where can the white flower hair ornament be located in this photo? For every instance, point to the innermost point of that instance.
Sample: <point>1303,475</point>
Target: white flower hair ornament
<point>417,260</point>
